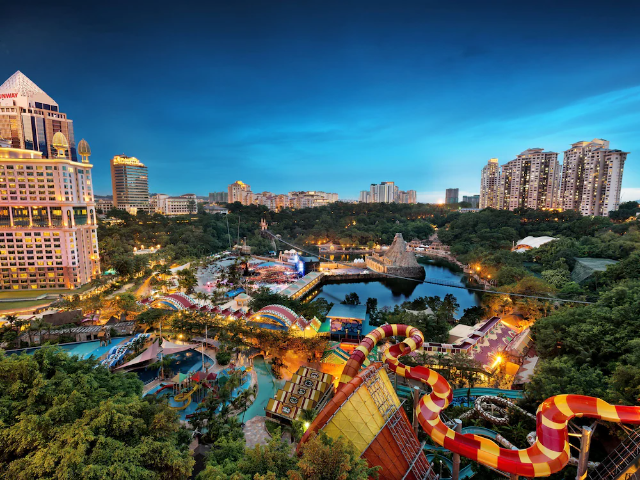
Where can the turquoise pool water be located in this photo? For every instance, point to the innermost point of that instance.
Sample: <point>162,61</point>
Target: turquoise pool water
<point>184,362</point>
<point>82,350</point>
<point>92,349</point>
<point>267,388</point>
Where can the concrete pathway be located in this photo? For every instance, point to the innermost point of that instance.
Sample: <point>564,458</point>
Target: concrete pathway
<point>255,432</point>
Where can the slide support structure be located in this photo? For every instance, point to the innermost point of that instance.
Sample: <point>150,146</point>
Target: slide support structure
<point>455,474</point>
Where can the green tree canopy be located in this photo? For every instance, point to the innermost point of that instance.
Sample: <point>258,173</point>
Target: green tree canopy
<point>62,418</point>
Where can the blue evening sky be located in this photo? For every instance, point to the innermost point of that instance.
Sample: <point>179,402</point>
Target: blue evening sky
<point>332,95</point>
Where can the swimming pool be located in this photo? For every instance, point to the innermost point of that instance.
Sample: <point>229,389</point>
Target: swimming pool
<point>184,362</point>
<point>267,388</point>
<point>82,350</point>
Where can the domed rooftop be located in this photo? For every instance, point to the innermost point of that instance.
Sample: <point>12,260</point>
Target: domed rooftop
<point>60,141</point>
<point>83,148</point>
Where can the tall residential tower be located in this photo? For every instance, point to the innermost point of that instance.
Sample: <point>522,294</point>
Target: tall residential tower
<point>531,180</point>
<point>592,177</point>
<point>489,184</point>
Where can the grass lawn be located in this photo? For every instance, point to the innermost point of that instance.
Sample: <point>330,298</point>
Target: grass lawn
<point>8,307</point>
<point>37,293</point>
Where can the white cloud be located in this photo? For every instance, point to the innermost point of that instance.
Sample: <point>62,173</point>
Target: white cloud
<point>628,194</point>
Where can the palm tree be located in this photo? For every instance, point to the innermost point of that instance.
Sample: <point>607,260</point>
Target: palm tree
<point>307,415</point>
<point>245,399</point>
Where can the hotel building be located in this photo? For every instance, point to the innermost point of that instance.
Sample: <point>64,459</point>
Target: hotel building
<point>130,183</point>
<point>29,118</point>
<point>48,227</point>
<point>592,177</point>
<point>489,183</point>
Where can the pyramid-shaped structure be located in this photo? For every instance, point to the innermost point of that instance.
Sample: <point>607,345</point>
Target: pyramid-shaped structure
<point>398,254</point>
<point>25,88</point>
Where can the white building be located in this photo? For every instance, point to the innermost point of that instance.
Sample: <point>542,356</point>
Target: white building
<point>167,205</point>
<point>48,227</point>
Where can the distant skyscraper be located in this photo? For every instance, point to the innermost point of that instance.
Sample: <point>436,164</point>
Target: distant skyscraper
<point>473,200</point>
<point>531,180</point>
<point>387,192</point>
<point>592,177</point>
<point>489,184</point>
<point>29,118</point>
<point>130,183</point>
<point>48,237</point>
<point>218,197</point>
<point>239,192</point>
<point>451,196</point>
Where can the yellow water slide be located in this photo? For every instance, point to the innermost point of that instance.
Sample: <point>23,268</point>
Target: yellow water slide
<point>182,396</point>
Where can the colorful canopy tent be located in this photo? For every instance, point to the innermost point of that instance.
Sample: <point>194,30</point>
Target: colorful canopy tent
<point>179,377</point>
<point>150,353</point>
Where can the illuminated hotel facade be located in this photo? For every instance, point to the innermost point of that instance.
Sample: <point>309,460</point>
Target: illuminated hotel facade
<point>130,183</point>
<point>29,118</point>
<point>48,236</point>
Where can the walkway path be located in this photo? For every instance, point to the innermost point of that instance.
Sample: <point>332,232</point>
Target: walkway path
<point>255,432</point>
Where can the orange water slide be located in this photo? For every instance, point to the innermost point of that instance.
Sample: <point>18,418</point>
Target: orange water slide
<point>548,455</point>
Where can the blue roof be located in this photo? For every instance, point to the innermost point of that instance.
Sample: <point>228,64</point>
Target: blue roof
<point>339,310</point>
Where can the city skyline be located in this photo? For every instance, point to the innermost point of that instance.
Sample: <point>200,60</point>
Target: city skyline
<point>371,96</point>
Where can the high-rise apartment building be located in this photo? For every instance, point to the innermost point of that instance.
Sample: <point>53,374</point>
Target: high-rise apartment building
<point>130,183</point>
<point>451,196</point>
<point>239,192</point>
<point>29,118</point>
<point>365,196</point>
<point>489,183</point>
<point>410,196</point>
<point>387,192</point>
<point>531,180</point>
<point>218,197</point>
<point>48,235</point>
<point>592,177</point>
<point>473,200</point>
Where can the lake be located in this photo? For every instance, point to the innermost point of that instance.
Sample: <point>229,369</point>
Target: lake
<point>395,291</point>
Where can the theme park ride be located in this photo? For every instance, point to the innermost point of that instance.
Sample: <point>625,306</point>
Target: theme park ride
<point>366,410</point>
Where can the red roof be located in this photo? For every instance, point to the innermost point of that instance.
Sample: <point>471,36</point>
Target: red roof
<point>180,299</point>
<point>238,314</point>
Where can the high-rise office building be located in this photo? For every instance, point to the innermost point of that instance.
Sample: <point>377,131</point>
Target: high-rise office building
<point>239,192</point>
<point>473,200</point>
<point>48,235</point>
<point>451,196</point>
<point>592,177</point>
<point>531,180</point>
<point>29,118</point>
<point>489,183</point>
<point>130,183</point>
